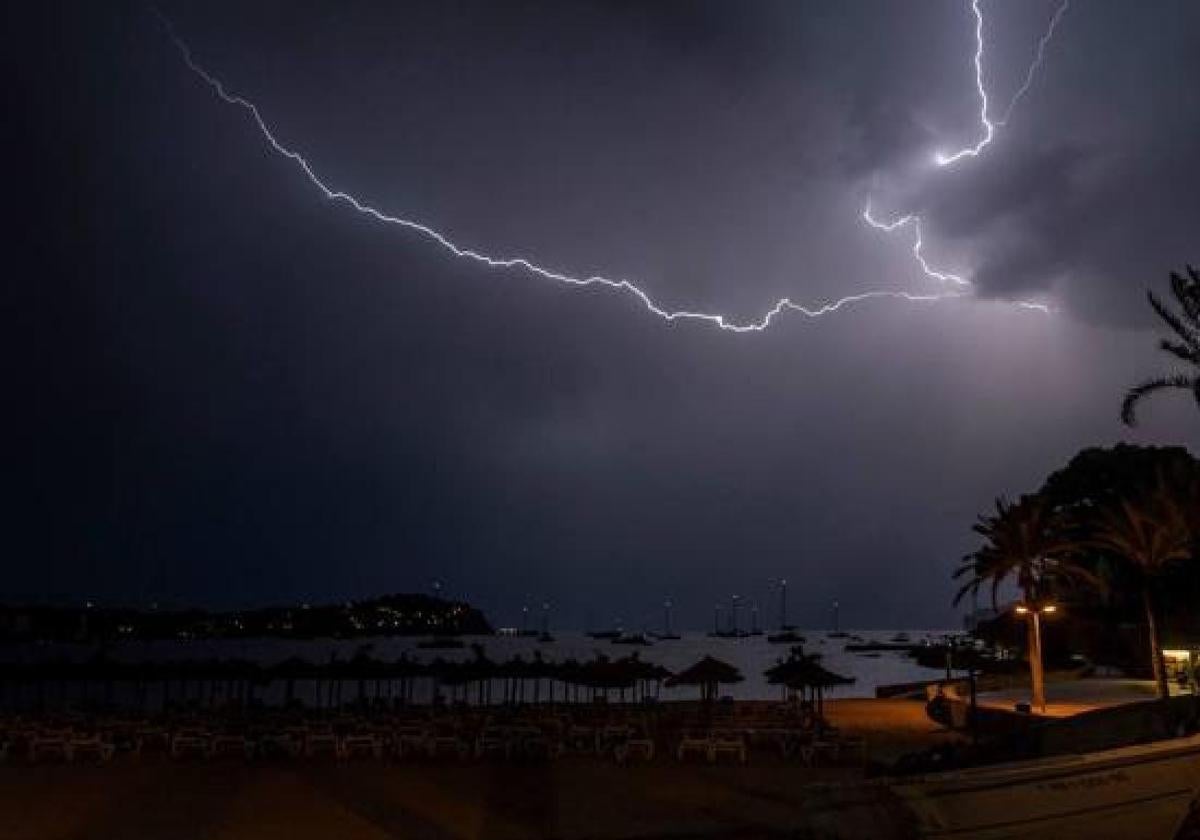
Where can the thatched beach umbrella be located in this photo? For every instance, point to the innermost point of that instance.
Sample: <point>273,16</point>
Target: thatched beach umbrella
<point>404,670</point>
<point>644,672</point>
<point>708,673</point>
<point>291,669</point>
<point>802,671</point>
<point>513,672</point>
<point>569,673</point>
<point>602,674</point>
<point>539,669</point>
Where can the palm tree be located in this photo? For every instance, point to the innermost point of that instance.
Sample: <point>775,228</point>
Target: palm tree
<point>1029,542</point>
<point>1184,321</point>
<point>1151,533</point>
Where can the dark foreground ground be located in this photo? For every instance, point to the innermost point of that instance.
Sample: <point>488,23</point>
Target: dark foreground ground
<point>568,798</point>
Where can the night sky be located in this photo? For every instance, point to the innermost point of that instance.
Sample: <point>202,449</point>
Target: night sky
<point>225,389</point>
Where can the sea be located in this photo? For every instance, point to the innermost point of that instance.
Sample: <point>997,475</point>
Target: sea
<point>752,655</point>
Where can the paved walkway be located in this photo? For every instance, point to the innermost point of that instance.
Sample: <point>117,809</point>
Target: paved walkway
<point>1070,697</point>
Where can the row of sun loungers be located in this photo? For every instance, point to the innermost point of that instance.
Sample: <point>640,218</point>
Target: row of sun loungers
<point>545,736</point>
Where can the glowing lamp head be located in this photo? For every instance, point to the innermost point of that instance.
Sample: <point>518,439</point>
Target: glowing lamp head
<point>1021,609</point>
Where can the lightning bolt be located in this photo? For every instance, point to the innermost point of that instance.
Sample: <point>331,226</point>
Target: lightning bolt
<point>989,129</point>
<point>523,264</point>
<point>1037,62</point>
<point>989,133</point>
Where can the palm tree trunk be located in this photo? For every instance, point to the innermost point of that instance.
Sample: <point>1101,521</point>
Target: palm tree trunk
<point>1156,659</point>
<point>1036,674</point>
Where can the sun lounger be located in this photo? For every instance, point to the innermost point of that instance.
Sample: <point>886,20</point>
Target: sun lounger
<point>321,745</point>
<point>694,746</point>
<point>362,746</point>
<point>609,736</point>
<point>48,749</point>
<point>89,749</point>
<point>541,746</point>
<point>492,742</point>
<point>189,745</point>
<point>581,739</point>
<point>451,745</point>
<point>280,745</point>
<point>231,745</point>
<point>150,741</point>
<point>410,739</point>
<point>639,748</point>
<point>727,744</point>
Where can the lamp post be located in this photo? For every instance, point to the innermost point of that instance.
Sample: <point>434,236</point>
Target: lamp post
<point>1033,612</point>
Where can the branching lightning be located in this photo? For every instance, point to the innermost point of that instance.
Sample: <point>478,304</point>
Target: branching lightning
<point>1037,63</point>
<point>989,133</point>
<point>627,286</point>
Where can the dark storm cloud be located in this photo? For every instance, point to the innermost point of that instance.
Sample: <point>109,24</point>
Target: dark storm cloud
<point>230,390</point>
<point>1083,196</point>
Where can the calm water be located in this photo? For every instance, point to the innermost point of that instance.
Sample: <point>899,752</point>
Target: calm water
<point>751,655</point>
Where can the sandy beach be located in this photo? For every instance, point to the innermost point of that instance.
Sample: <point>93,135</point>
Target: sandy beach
<point>572,797</point>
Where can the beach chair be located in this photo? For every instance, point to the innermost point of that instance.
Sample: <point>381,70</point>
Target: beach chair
<point>322,745</point>
<point>52,748</point>
<point>539,743</point>
<point>190,744</point>
<point>693,745</point>
<point>89,749</point>
<point>727,743</point>
<point>362,746</point>
<point>581,739</point>
<point>151,741</point>
<point>609,737</point>
<point>410,739</point>
<point>448,742</point>
<point>492,741</point>
<point>634,748</point>
<point>230,745</point>
<point>276,744</point>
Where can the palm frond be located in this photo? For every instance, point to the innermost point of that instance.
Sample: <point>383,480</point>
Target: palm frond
<point>1180,351</point>
<point>1189,334</point>
<point>1139,392</point>
<point>1187,292</point>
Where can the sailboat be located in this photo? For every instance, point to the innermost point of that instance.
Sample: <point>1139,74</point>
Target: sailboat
<point>836,632</point>
<point>787,634</point>
<point>667,634</point>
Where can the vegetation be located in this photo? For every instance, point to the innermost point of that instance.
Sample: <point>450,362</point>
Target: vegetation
<point>1150,531</point>
<point>1029,543</point>
<point>1183,318</point>
<point>1124,521</point>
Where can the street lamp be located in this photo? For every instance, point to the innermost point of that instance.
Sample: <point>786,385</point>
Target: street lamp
<point>1034,612</point>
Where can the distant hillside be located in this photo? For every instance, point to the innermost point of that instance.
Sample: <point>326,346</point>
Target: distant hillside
<point>391,615</point>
